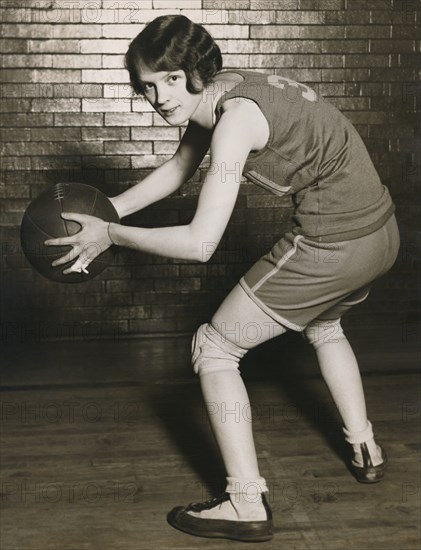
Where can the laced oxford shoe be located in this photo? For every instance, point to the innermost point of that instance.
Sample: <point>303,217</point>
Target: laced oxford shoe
<point>248,531</point>
<point>367,473</point>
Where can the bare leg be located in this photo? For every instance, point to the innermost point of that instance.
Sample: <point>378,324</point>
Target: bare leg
<point>340,371</point>
<point>243,323</point>
<point>240,321</point>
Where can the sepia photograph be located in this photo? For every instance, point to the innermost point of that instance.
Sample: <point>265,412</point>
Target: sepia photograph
<point>210,274</point>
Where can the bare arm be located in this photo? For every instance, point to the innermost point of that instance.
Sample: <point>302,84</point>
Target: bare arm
<point>232,140</point>
<point>168,177</point>
<point>231,144</point>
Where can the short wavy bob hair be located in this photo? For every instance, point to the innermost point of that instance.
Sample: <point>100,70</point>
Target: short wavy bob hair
<point>172,43</point>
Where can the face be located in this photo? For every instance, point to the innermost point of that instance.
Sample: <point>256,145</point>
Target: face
<point>167,93</point>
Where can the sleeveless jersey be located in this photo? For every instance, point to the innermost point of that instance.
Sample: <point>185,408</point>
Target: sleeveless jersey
<point>315,155</point>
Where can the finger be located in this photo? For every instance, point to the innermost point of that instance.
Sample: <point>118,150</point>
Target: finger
<point>82,219</point>
<point>78,267</point>
<point>61,241</point>
<point>71,255</point>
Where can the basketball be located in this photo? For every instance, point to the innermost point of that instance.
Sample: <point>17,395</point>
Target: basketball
<point>42,220</point>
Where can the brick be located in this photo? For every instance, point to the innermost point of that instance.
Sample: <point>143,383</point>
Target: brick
<point>245,17</point>
<point>56,105</point>
<point>385,17</point>
<point>181,4</point>
<point>129,285</point>
<point>54,46</point>
<point>112,61</point>
<point>14,105</point>
<point>84,61</point>
<point>228,31</point>
<point>128,119</point>
<point>78,119</point>
<point>165,147</point>
<point>26,120</point>
<point>344,46</point>
<point>157,297</point>
<point>55,163</point>
<point>398,46</point>
<point>118,91</point>
<point>105,105</point>
<point>104,46</point>
<point>189,283</point>
<point>115,299</point>
<point>54,148</point>
<point>149,161</point>
<point>237,61</point>
<point>371,4</point>
<point>50,91</point>
<point>13,46</point>
<point>15,134</point>
<point>106,76</point>
<point>17,191</point>
<point>367,117</point>
<point>40,75</point>
<point>162,134</point>
<point>127,32</point>
<point>302,31</point>
<point>55,14</point>
<point>338,75</point>
<point>270,46</point>
<point>128,148</point>
<point>295,61</point>
<point>141,105</point>
<point>298,18</point>
<point>103,162</point>
<point>55,134</point>
<point>369,60</point>
<point>346,17</point>
<point>322,4</point>
<point>156,271</point>
<point>368,31</point>
<point>105,134</point>
<point>392,74</point>
<point>391,131</point>
<point>152,326</point>
<point>231,4</point>
<point>405,32</point>
<point>51,31</point>
<point>111,4</point>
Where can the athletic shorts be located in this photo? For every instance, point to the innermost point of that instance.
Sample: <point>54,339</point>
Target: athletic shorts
<point>300,280</point>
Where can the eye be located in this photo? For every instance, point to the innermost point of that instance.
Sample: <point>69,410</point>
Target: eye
<point>147,87</point>
<point>174,78</point>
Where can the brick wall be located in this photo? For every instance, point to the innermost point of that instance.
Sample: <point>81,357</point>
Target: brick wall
<point>68,115</point>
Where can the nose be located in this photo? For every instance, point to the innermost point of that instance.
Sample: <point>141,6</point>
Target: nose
<point>161,95</point>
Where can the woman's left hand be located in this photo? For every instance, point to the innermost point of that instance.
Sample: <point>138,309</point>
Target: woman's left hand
<point>88,243</point>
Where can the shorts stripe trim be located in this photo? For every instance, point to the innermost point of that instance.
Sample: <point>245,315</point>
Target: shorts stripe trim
<point>354,302</point>
<point>279,264</point>
<point>266,309</point>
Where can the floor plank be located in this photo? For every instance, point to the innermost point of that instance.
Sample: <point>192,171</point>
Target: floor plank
<point>98,445</point>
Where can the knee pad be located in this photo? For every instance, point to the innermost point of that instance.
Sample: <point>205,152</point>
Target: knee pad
<point>320,332</point>
<point>212,352</point>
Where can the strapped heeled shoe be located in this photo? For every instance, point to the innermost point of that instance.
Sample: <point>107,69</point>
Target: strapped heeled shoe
<point>367,473</point>
<point>248,531</point>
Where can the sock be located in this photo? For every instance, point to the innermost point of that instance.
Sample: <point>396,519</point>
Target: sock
<point>244,502</point>
<point>365,436</point>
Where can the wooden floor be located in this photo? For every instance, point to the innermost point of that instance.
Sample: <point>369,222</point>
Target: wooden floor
<point>101,439</point>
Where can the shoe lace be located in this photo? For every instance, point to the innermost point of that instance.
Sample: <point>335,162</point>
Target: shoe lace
<point>208,504</point>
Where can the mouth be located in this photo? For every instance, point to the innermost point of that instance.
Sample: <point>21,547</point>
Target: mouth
<point>168,112</point>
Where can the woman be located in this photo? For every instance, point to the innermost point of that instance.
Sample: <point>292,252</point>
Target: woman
<point>281,136</point>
